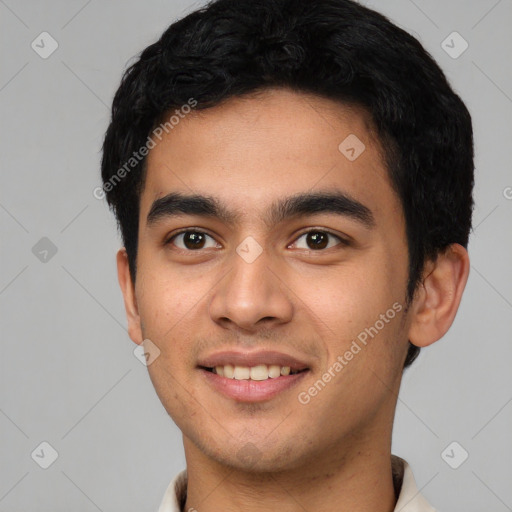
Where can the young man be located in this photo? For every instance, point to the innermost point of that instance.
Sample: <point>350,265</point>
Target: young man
<point>293,184</point>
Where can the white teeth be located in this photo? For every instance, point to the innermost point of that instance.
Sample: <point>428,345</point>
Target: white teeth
<point>229,371</point>
<point>274,371</point>
<point>258,372</point>
<point>242,372</point>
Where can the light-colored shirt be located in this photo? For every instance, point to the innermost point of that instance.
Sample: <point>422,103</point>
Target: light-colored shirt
<point>409,498</point>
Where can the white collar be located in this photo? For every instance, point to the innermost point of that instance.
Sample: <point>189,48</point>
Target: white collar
<point>409,499</point>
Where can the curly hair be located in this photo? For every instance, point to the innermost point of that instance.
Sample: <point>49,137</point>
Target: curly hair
<point>336,49</point>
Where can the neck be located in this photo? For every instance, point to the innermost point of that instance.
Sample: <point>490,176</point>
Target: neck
<point>340,480</point>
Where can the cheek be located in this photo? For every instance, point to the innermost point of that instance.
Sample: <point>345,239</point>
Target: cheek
<point>358,310</point>
<point>164,298</point>
<point>166,309</point>
<point>349,298</point>
<point>163,308</point>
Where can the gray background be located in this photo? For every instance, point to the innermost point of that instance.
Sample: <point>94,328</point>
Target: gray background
<point>68,375</point>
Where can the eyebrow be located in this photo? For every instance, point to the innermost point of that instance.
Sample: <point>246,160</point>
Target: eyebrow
<point>299,205</point>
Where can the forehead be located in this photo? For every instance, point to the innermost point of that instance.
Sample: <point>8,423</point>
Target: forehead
<point>249,151</point>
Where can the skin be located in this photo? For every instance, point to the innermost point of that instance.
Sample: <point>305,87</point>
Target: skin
<point>332,453</point>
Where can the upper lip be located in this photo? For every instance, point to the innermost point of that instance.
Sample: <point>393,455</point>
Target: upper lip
<point>239,358</point>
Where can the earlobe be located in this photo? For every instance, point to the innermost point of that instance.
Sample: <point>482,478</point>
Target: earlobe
<point>130,301</point>
<point>438,297</point>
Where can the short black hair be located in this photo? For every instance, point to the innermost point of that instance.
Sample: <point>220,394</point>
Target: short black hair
<point>336,49</point>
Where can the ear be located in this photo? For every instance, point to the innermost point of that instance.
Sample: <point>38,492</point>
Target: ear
<point>130,301</point>
<point>438,296</point>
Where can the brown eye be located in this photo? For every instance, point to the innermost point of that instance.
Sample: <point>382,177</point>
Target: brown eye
<point>317,240</point>
<point>191,240</point>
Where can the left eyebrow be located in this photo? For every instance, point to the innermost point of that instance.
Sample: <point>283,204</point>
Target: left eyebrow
<point>299,205</point>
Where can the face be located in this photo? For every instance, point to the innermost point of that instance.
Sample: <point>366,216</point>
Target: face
<point>290,261</point>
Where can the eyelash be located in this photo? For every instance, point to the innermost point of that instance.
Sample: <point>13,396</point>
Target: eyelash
<point>342,242</point>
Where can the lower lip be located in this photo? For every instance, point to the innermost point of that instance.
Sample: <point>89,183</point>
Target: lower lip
<point>252,390</point>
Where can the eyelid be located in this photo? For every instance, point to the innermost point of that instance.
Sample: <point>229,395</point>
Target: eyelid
<point>201,231</point>
<point>343,240</point>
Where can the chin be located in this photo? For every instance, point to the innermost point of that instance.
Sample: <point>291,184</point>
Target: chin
<point>253,456</point>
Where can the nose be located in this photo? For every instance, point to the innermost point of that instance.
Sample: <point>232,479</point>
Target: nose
<point>252,295</point>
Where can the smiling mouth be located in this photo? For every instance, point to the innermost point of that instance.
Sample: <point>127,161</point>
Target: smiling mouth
<point>259,372</point>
